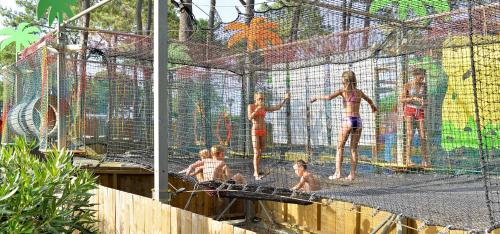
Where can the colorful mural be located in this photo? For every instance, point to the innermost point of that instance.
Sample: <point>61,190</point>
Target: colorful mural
<point>459,128</point>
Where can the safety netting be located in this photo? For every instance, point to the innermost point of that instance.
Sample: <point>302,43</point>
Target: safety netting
<point>301,48</point>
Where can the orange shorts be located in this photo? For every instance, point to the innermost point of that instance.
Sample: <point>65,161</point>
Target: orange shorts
<point>259,132</point>
<point>417,113</point>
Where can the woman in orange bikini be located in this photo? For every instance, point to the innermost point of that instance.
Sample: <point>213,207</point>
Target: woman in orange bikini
<point>256,114</point>
<point>352,125</point>
<point>414,99</point>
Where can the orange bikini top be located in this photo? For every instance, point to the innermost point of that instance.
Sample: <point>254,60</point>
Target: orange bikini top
<point>261,113</point>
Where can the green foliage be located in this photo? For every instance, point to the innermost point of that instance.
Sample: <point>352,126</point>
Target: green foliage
<point>43,196</point>
<point>55,8</point>
<point>22,36</point>
<point>418,7</point>
<point>118,16</point>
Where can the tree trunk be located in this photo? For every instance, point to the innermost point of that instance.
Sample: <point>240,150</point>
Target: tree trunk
<point>207,104</point>
<point>135,85</point>
<point>366,24</point>
<point>185,24</point>
<point>80,119</point>
<point>184,124</point>
<point>149,18</point>
<point>346,24</point>
<point>248,83</point>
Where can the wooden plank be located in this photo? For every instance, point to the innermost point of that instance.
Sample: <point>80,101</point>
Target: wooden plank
<point>174,220</point>
<point>238,230</point>
<point>278,211</point>
<point>340,217</point>
<point>102,221</point>
<point>165,219</point>
<point>157,217</point>
<point>125,210</point>
<point>200,223</point>
<point>214,227</point>
<point>227,228</point>
<point>351,218</point>
<point>186,225</point>
<point>112,210</point>
<point>366,220</point>
<point>148,214</point>
<point>328,218</point>
<point>138,213</point>
<point>95,207</point>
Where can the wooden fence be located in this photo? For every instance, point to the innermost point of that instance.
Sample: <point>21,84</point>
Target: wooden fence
<point>122,212</point>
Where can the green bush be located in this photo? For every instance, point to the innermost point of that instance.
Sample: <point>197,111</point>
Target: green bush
<point>43,194</point>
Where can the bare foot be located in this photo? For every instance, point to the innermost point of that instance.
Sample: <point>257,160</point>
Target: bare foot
<point>351,177</point>
<point>335,176</point>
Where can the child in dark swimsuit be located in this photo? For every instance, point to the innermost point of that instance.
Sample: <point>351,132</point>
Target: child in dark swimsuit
<point>352,125</point>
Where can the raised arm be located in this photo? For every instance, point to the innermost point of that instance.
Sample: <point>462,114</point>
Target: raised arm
<point>197,171</point>
<point>193,167</point>
<point>404,95</point>
<point>370,101</point>
<point>327,97</point>
<point>280,105</point>
<point>251,113</point>
<point>300,184</point>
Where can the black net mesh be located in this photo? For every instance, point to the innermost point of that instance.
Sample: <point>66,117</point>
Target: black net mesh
<point>303,49</point>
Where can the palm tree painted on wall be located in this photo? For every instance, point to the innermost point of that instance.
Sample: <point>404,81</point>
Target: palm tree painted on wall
<point>257,33</point>
<point>23,36</point>
<point>419,7</point>
<point>56,9</point>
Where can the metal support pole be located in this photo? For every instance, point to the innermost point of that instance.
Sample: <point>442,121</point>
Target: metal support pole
<point>160,87</point>
<point>225,209</point>
<point>61,128</point>
<point>266,212</point>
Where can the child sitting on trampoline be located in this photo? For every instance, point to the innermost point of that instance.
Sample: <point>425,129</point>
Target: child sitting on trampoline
<point>215,168</point>
<point>190,171</point>
<point>352,125</point>
<point>308,181</point>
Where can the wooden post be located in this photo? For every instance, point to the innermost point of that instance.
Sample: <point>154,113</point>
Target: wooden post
<point>160,86</point>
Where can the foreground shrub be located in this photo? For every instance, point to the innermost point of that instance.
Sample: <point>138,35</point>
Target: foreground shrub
<point>43,194</point>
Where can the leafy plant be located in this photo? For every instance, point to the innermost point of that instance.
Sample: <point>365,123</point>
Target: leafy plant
<point>23,36</point>
<point>419,7</point>
<point>258,32</point>
<point>55,8</point>
<point>43,194</point>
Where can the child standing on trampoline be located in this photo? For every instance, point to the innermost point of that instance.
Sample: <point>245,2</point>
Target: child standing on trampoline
<point>256,114</point>
<point>414,99</point>
<point>352,125</point>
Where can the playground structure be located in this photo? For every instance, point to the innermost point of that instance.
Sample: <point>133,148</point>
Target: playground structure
<point>107,104</point>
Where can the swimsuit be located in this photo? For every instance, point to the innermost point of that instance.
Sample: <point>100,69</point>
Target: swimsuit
<point>260,132</point>
<point>353,121</point>
<point>415,112</point>
<point>415,109</point>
